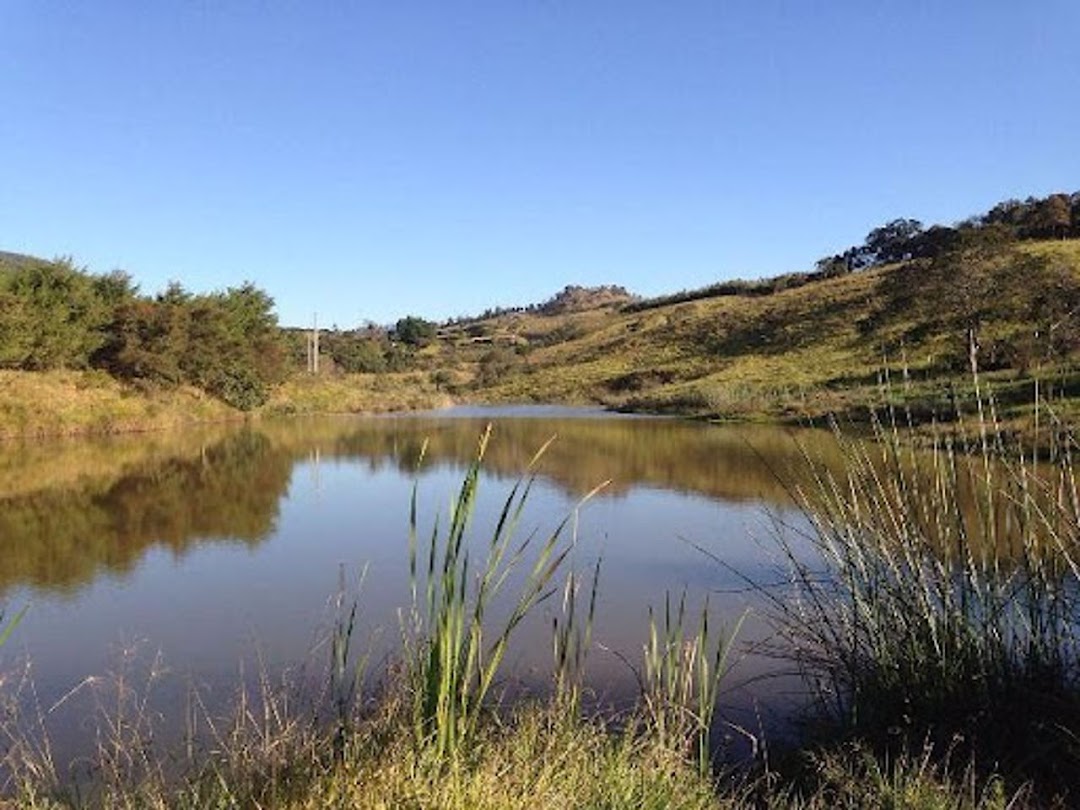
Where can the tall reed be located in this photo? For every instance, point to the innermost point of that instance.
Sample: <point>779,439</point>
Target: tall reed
<point>453,653</point>
<point>347,671</point>
<point>936,593</point>
<point>683,671</point>
<point>9,628</point>
<point>571,642</point>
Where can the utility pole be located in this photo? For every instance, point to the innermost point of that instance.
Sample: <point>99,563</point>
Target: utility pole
<point>313,346</point>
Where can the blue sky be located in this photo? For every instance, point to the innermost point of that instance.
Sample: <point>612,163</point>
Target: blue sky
<point>367,160</point>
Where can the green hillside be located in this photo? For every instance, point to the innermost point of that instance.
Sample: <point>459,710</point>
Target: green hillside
<point>824,346</point>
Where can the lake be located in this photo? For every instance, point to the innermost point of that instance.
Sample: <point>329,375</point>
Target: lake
<point>195,560</point>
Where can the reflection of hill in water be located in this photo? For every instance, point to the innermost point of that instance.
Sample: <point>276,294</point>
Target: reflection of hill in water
<point>739,464</point>
<point>72,510</point>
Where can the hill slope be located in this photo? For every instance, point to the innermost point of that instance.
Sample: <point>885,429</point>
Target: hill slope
<point>803,351</point>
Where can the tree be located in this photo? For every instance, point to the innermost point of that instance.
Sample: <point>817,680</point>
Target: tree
<point>1055,215</point>
<point>54,317</point>
<point>932,242</point>
<point>496,364</point>
<point>414,331</point>
<point>234,348</point>
<point>831,266</point>
<point>442,379</point>
<point>354,353</point>
<point>253,326</point>
<point>1007,212</point>
<point>115,288</point>
<point>15,330</point>
<point>892,242</point>
<point>147,340</point>
<point>1045,218</point>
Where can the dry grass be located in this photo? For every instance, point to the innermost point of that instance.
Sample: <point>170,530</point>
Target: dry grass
<point>74,402</point>
<point>67,403</point>
<point>715,356</point>
<point>356,393</point>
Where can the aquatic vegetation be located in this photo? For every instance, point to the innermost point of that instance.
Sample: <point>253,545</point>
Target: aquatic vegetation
<point>452,652</point>
<point>683,672</point>
<point>938,599</point>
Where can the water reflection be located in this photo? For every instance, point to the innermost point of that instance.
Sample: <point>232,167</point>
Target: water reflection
<point>60,537</point>
<point>72,510</point>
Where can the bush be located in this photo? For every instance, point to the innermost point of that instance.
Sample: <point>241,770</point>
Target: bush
<point>496,364</point>
<point>239,387</point>
<point>414,331</point>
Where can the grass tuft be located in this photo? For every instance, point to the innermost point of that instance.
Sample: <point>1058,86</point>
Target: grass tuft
<point>936,597</point>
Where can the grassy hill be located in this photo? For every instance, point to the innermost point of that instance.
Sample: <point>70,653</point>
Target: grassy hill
<point>824,346</point>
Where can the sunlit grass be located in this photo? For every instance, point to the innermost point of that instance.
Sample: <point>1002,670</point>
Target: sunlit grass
<point>77,402</point>
<point>355,393</point>
<point>682,675</point>
<point>454,651</point>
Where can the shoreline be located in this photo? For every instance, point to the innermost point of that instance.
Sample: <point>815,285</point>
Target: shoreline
<point>69,404</point>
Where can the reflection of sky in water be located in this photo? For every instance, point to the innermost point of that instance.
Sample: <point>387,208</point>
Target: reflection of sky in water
<point>215,603</point>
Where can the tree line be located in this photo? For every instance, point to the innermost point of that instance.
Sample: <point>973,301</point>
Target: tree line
<point>54,315</point>
<point>1056,216</point>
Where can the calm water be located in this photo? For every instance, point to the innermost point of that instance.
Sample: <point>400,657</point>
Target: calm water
<point>226,546</point>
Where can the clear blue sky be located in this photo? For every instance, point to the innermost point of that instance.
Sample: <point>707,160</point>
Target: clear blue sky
<point>368,160</point>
